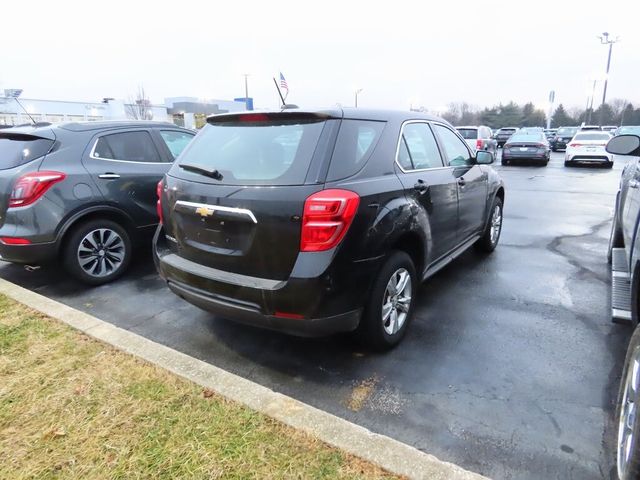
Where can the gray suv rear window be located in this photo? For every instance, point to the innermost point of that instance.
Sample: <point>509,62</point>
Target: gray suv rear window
<point>16,150</point>
<point>273,152</point>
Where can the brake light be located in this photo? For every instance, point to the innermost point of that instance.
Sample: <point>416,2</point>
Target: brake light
<point>31,186</point>
<point>479,144</point>
<point>575,144</point>
<point>254,117</point>
<point>159,189</point>
<point>14,241</point>
<point>326,218</point>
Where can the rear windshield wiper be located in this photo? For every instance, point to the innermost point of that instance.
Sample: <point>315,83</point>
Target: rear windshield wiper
<point>215,174</point>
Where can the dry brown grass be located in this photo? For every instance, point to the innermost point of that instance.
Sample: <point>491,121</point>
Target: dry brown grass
<point>72,407</point>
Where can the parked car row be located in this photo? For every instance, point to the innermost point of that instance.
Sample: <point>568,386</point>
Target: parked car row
<point>361,207</point>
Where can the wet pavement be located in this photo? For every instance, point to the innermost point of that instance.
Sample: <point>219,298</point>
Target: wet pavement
<point>509,369</point>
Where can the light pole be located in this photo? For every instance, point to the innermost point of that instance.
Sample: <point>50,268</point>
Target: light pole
<point>246,91</point>
<point>356,94</point>
<point>605,40</point>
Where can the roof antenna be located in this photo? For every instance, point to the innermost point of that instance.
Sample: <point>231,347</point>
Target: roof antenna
<point>279,92</point>
<point>15,93</point>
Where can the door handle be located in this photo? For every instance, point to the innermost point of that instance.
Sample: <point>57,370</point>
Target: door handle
<point>634,184</point>
<point>462,182</point>
<point>421,186</point>
<point>109,176</point>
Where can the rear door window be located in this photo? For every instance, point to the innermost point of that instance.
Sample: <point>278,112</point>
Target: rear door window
<point>176,141</point>
<point>355,143</point>
<point>17,149</point>
<point>127,146</point>
<point>418,148</point>
<point>265,152</point>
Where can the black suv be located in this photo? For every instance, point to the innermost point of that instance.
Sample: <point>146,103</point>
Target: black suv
<point>562,138</point>
<point>315,222</point>
<point>82,192</point>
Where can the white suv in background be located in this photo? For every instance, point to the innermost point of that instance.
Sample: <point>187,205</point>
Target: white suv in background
<point>479,138</point>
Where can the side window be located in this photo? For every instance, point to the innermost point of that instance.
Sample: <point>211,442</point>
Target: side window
<point>127,146</point>
<point>176,141</point>
<point>455,151</point>
<point>419,146</point>
<point>355,143</point>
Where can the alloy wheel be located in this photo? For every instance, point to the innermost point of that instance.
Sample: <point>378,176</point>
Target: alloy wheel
<point>496,224</point>
<point>628,411</point>
<point>396,301</point>
<point>101,252</point>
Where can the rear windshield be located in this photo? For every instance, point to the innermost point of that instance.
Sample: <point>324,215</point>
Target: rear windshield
<point>592,136</point>
<point>526,137</point>
<point>468,133</point>
<point>274,152</point>
<point>506,130</point>
<point>566,131</point>
<point>17,150</point>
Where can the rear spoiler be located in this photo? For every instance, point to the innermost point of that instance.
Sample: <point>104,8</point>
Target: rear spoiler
<point>24,134</point>
<point>266,117</point>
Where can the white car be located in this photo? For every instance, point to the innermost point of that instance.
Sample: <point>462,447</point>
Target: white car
<point>589,147</point>
<point>479,138</point>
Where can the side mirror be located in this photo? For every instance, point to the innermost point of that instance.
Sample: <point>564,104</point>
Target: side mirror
<point>484,158</point>
<point>624,145</point>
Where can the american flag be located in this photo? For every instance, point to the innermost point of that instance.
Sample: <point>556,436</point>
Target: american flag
<point>283,83</point>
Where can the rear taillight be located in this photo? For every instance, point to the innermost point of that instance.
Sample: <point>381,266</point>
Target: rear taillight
<point>159,189</point>
<point>479,144</point>
<point>326,219</point>
<point>31,186</point>
<point>575,144</point>
<point>14,241</point>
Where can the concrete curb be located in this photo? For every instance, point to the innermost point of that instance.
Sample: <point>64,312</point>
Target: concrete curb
<point>390,454</point>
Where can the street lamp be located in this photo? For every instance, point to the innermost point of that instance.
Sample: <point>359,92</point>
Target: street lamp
<point>605,40</point>
<point>358,90</point>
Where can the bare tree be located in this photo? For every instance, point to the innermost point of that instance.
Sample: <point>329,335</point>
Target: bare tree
<point>618,105</point>
<point>139,108</point>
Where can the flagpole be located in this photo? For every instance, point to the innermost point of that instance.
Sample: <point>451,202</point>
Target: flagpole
<point>279,92</point>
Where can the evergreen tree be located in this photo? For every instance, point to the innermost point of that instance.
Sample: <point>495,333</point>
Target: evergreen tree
<point>626,116</point>
<point>561,118</point>
<point>603,115</point>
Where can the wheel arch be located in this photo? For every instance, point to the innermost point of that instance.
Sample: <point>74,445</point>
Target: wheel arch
<point>412,244</point>
<point>98,212</point>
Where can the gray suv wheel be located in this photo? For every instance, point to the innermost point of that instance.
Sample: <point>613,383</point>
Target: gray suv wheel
<point>97,252</point>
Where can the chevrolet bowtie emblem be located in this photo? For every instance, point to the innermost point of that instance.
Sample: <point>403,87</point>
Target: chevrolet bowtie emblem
<point>204,211</point>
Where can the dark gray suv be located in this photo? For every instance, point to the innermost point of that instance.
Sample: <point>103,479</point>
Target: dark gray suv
<point>84,193</point>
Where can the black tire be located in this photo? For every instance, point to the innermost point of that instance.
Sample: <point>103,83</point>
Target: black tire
<point>506,162</point>
<point>632,471</point>
<point>609,165</point>
<point>567,164</point>
<point>554,149</point>
<point>371,331</point>
<point>488,243</point>
<point>103,256</point>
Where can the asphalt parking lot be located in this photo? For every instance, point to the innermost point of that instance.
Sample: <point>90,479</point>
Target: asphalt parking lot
<point>510,368</point>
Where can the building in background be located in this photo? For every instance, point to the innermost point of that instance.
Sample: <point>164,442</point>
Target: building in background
<point>189,112</point>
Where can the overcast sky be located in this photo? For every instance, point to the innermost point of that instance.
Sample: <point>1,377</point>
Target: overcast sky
<point>396,51</point>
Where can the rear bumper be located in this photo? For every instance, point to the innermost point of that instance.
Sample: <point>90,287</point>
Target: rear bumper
<point>323,303</point>
<point>542,157</point>
<point>576,157</point>
<point>242,313</point>
<point>29,254</point>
